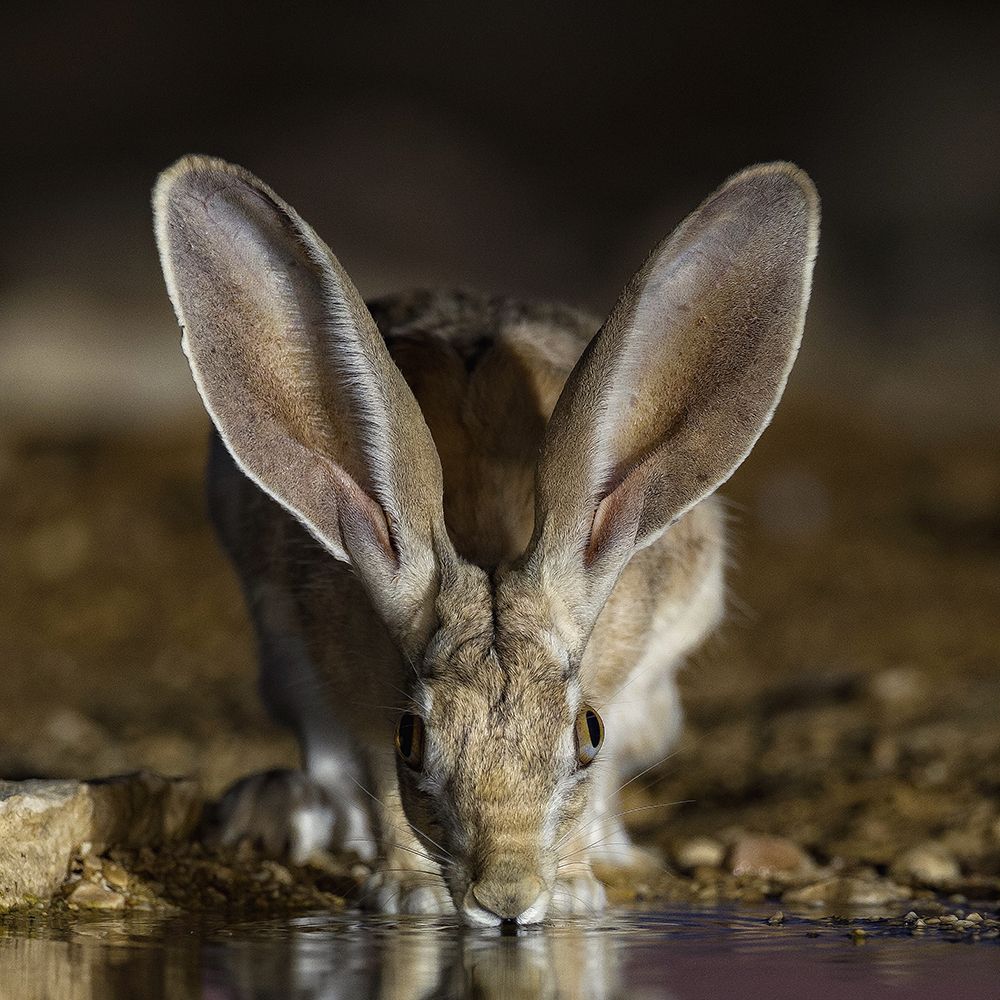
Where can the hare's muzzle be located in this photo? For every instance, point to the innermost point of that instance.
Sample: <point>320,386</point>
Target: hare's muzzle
<point>493,900</point>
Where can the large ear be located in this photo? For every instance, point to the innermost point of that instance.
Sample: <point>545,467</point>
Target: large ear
<point>676,387</point>
<point>297,379</point>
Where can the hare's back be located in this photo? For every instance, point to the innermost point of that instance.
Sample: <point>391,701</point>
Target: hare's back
<point>486,372</point>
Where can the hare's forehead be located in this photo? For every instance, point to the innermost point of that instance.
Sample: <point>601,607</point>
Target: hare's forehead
<point>495,701</point>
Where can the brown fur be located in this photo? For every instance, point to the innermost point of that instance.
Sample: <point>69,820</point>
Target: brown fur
<point>464,501</point>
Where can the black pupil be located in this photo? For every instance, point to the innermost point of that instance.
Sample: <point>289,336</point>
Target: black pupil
<point>593,729</point>
<point>406,735</point>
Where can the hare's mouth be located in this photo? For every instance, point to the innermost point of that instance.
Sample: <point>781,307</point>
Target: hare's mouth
<point>521,903</point>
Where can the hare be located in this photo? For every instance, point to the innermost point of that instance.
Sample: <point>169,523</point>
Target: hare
<point>476,536</point>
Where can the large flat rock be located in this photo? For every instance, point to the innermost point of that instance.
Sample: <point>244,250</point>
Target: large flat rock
<point>43,822</point>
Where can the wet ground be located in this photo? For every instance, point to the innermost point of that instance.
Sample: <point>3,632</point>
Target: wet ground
<point>682,954</point>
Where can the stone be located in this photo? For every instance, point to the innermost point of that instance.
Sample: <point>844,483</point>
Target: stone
<point>929,864</point>
<point>699,852</point>
<point>846,891</point>
<point>91,896</point>
<point>44,822</point>
<point>759,856</point>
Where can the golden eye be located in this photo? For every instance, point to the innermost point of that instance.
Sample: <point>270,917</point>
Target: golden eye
<point>410,740</point>
<point>589,735</point>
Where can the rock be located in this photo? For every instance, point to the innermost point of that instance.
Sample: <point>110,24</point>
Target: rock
<point>770,857</point>
<point>90,896</point>
<point>844,891</point>
<point>43,822</point>
<point>929,864</point>
<point>115,875</point>
<point>699,852</point>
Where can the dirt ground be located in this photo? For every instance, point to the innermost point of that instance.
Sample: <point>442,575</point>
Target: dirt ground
<point>850,703</point>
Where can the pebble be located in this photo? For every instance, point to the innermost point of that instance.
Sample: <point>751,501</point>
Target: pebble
<point>929,864</point>
<point>776,918</point>
<point>699,852</point>
<point>90,896</point>
<point>846,891</point>
<point>115,875</point>
<point>770,857</point>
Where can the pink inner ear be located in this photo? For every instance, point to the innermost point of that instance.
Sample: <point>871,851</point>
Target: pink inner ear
<point>616,520</point>
<point>361,518</point>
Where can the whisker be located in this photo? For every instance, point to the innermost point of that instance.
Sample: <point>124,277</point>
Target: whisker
<point>625,812</point>
<point>419,834</point>
<point>401,847</point>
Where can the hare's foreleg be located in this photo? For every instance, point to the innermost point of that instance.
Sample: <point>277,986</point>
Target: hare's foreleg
<point>295,812</point>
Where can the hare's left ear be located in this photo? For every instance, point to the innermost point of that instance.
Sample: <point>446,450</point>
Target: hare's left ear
<point>295,375</point>
<point>676,387</point>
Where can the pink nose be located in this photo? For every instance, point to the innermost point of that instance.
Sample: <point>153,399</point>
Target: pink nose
<point>508,900</point>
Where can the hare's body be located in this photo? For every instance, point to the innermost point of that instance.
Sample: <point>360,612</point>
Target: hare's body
<point>481,524</point>
<point>487,374</point>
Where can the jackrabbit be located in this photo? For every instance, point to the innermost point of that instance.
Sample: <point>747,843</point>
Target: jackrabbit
<point>481,525</point>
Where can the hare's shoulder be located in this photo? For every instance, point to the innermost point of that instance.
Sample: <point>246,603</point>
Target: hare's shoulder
<point>486,372</point>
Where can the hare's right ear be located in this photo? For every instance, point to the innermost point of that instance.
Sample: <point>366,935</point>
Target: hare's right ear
<point>298,381</point>
<point>673,391</point>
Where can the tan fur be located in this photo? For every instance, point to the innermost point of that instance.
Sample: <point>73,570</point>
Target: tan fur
<point>458,506</point>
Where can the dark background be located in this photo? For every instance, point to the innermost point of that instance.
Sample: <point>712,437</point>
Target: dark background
<point>526,149</point>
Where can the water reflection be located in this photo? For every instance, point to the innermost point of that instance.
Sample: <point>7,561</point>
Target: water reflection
<point>417,961</point>
<point>674,956</point>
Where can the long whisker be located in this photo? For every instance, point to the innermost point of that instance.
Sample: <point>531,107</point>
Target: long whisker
<point>559,888</point>
<point>420,835</point>
<point>401,847</point>
<point>602,814</point>
<point>625,812</point>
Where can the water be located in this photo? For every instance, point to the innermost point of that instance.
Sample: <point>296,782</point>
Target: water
<point>678,954</point>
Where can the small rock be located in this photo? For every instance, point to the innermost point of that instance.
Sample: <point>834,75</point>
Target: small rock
<point>776,918</point>
<point>89,896</point>
<point>928,864</point>
<point>846,891</point>
<point>975,918</point>
<point>898,689</point>
<point>699,852</point>
<point>115,875</point>
<point>911,917</point>
<point>770,857</point>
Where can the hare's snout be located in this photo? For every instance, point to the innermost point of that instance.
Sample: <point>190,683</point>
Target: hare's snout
<point>494,900</point>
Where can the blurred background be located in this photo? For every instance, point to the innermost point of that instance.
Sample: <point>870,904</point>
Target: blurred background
<point>536,150</point>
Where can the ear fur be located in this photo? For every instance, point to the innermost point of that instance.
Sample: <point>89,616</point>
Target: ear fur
<point>295,375</point>
<point>676,387</point>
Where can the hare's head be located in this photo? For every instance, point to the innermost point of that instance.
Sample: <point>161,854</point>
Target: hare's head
<point>496,750</point>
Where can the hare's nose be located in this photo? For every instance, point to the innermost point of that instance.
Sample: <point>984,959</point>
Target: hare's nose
<point>511,900</point>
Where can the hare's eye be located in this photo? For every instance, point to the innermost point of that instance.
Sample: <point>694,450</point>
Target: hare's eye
<point>410,740</point>
<point>589,735</point>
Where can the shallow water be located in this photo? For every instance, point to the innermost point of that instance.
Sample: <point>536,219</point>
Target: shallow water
<point>680,953</point>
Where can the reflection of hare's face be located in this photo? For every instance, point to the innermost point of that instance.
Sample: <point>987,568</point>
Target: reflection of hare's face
<point>423,961</point>
<point>568,961</point>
